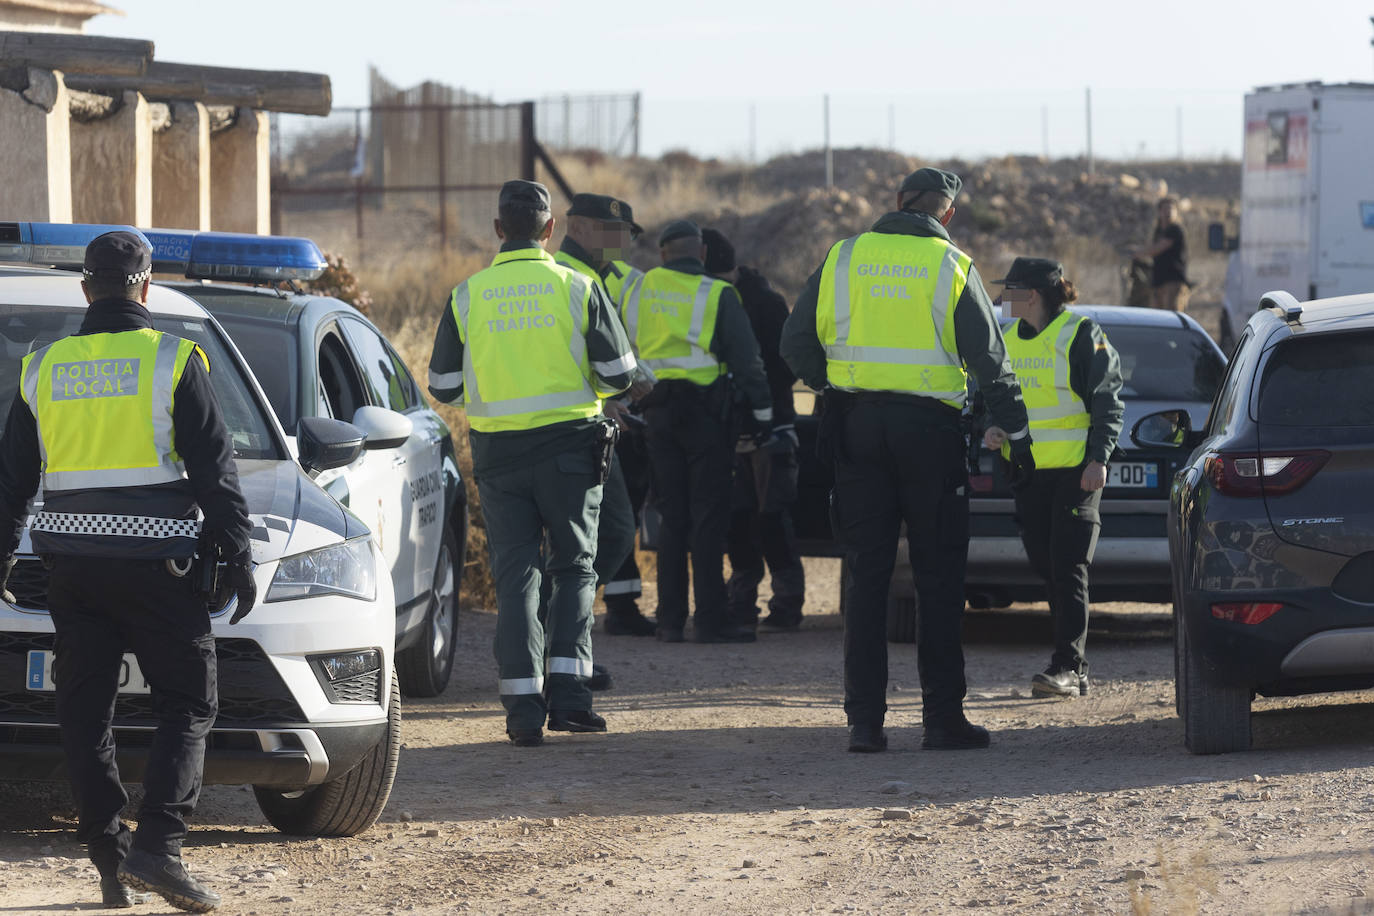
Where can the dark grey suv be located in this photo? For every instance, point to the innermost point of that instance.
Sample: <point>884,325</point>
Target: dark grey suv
<point>1271,520</point>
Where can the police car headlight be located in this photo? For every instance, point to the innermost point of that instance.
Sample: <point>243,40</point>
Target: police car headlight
<point>347,569</point>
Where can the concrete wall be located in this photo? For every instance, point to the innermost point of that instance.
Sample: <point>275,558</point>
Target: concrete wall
<point>240,175</point>
<point>181,169</point>
<point>35,150</point>
<point>112,166</point>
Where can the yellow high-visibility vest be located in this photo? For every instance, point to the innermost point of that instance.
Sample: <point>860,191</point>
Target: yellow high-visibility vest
<point>103,407</point>
<point>885,315</point>
<point>671,319</point>
<point>523,322</point>
<point>567,260</point>
<point>618,279</point>
<point>1059,420</point>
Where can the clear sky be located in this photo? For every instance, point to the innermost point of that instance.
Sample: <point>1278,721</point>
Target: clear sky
<point>971,78</point>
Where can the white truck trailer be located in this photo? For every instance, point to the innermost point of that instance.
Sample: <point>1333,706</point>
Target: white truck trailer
<point>1307,196</point>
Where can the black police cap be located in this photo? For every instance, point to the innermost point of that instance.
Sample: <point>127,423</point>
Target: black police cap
<point>1033,273</point>
<point>528,194</point>
<point>679,229</point>
<point>118,255</point>
<point>928,179</point>
<point>605,208</point>
<point>720,254</point>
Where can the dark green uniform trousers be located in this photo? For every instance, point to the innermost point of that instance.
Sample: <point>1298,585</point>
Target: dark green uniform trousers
<point>560,496</point>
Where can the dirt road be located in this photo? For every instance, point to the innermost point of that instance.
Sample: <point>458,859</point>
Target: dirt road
<point>724,786</point>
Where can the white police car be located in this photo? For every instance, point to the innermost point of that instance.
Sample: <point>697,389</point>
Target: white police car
<point>309,702</point>
<point>316,356</point>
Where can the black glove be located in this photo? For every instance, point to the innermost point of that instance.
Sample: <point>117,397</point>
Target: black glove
<point>241,578</point>
<point>781,440</point>
<point>5,569</point>
<point>1022,463</point>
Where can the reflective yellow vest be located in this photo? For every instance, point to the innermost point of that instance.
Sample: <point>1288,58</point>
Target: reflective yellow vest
<point>671,319</point>
<point>102,404</point>
<point>618,279</point>
<point>885,315</point>
<point>1059,420</point>
<point>586,270</point>
<point>523,322</point>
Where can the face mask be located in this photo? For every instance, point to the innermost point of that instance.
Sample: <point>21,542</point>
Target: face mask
<point>1006,308</point>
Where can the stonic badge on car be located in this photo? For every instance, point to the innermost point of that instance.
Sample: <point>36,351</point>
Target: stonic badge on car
<point>309,706</point>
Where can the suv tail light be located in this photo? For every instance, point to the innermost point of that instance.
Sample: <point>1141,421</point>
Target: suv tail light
<point>1249,474</point>
<point>1245,612</point>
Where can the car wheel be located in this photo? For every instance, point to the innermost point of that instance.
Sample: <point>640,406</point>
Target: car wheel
<point>1216,716</point>
<point>426,666</point>
<point>348,804</point>
<point>903,617</point>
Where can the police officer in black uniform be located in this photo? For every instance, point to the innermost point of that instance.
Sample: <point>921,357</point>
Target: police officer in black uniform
<point>888,326</point>
<point>118,541</point>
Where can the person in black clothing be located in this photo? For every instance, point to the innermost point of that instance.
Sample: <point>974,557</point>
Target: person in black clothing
<point>765,476</point>
<point>135,589</point>
<point>1168,257</point>
<point>1075,419</point>
<point>890,326</point>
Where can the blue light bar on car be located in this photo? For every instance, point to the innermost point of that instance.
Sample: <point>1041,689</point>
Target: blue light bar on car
<point>194,255</point>
<point>253,258</point>
<point>61,245</point>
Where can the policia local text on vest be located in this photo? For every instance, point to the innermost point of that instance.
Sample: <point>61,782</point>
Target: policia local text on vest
<point>692,333</point>
<point>121,426</point>
<point>888,327</point>
<point>529,348</point>
<point>1071,378</point>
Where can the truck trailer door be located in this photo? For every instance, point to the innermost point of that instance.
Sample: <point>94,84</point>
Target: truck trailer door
<point>1344,241</point>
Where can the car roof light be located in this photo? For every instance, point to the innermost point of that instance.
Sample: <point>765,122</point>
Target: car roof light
<point>60,245</point>
<point>195,255</point>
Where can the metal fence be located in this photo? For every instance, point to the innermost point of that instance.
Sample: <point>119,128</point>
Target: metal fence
<point>606,123</point>
<point>403,174</point>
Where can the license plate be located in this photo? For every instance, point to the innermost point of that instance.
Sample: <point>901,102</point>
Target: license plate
<point>40,674</point>
<point>1139,474</point>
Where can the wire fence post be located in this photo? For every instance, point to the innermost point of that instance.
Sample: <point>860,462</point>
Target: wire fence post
<point>829,154</point>
<point>1088,106</point>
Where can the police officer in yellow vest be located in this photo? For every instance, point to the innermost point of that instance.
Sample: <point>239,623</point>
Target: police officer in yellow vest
<point>890,326</point>
<point>600,229</point>
<point>530,348</point>
<point>1071,378</point>
<point>119,424</point>
<point>691,331</point>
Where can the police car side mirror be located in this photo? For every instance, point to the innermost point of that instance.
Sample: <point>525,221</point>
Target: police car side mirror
<point>1167,429</point>
<point>383,428</point>
<point>324,443</point>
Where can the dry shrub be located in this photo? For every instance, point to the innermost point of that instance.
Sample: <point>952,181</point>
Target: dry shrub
<point>341,282</point>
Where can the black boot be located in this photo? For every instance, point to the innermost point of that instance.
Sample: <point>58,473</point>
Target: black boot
<point>600,679</point>
<point>628,623</point>
<point>165,875</point>
<point>866,739</point>
<point>1058,681</point>
<point>116,896</point>
<point>955,735</point>
<point>575,721</point>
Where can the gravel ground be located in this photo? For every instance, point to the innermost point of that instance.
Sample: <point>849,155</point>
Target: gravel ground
<point>724,786</point>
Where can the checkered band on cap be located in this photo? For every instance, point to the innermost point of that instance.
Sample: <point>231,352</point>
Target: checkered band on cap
<point>129,279</point>
<point>128,526</point>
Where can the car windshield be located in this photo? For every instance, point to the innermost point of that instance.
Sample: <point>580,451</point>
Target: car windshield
<point>1166,364</point>
<point>25,328</point>
<point>1320,380</point>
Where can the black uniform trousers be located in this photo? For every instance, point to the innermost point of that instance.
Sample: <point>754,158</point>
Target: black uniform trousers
<point>897,461</point>
<point>1059,524</point>
<point>624,586</point>
<point>761,531</point>
<point>691,452</point>
<point>102,608</point>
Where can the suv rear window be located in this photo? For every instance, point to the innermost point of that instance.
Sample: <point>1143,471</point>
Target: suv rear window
<point>1320,380</point>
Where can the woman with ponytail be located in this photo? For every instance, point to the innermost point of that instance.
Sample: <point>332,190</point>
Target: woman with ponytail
<point>1070,378</point>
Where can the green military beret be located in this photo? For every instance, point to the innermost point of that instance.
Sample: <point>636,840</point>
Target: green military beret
<point>605,208</point>
<point>946,183</point>
<point>529,194</point>
<point>678,229</point>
